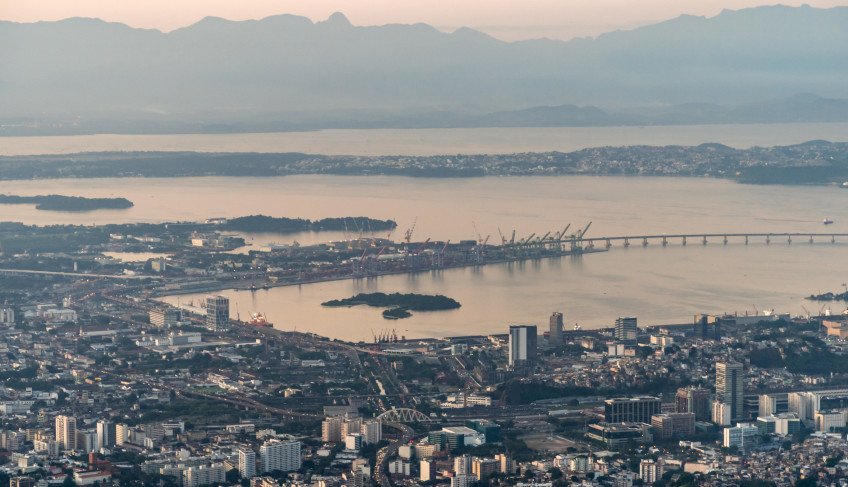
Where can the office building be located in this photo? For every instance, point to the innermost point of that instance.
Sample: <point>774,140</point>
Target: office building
<point>730,384</point>
<point>618,434</point>
<point>217,312</point>
<point>631,409</point>
<point>784,424</point>
<point>504,462</point>
<point>773,404</point>
<point>743,436</point>
<point>165,317</point>
<point>693,400</point>
<point>246,463</point>
<point>522,346</point>
<point>626,330</point>
<point>555,332</point>
<point>279,455</point>
<point>87,440</point>
<point>829,421</point>
<point>105,431</point>
<point>671,425</point>
<point>707,327</point>
<point>122,434</point>
<point>66,432</point>
<point>721,414</point>
<point>22,482</point>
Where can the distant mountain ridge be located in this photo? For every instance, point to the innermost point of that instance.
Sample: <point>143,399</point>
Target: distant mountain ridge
<point>290,73</point>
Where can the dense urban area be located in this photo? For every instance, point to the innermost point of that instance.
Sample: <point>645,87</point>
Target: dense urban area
<point>814,162</point>
<point>105,384</point>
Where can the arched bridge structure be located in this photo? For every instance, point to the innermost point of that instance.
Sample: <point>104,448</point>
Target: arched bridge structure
<point>404,415</point>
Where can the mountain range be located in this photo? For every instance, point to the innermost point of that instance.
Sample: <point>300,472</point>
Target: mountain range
<point>764,64</point>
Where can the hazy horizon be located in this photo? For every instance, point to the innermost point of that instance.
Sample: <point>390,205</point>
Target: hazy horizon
<point>536,19</point>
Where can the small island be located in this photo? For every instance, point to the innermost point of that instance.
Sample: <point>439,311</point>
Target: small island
<point>399,304</point>
<point>829,297</point>
<point>269,224</point>
<point>55,202</point>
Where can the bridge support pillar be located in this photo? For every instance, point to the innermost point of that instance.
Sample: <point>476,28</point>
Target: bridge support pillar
<point>833,239</point>
<point>627,242</point>
<point>665,241</point>
<point>704,242</point>
<point>609,243</point>
<point>768,240</point>
<point>811,239</point>
<point>725,240</point>
<point>746,240</point>
<point>644,242</point>
<point>684,240</point>
<point>789,239</point>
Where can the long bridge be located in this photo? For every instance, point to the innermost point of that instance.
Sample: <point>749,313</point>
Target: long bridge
<point>704,238</point>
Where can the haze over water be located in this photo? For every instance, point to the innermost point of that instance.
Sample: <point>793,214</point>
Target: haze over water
<point>436,141</point>
<point>659,285</point>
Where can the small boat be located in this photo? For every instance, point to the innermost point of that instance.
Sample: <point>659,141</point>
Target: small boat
<point>827,221</point>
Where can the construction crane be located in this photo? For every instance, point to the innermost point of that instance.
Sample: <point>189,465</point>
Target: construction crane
<point>407,236</point>
<point>527,240</point>
<point>562,233</point>
<point>512,240</point>
<point>503,239</point>
<point>544,237</point>
<point>806,311</point>
<point>479,237</point>
<point>583,232</point>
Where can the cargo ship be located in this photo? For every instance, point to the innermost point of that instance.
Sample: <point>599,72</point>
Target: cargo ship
<point>258,319</point>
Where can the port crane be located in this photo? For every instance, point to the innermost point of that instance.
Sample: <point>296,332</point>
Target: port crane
<point>407,236</point>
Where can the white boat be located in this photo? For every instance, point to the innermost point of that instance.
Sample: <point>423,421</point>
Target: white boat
<point>827,221</point>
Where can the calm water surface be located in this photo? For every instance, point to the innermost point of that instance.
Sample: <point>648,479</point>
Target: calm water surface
<point>657,284</point>
<point>436,141</point>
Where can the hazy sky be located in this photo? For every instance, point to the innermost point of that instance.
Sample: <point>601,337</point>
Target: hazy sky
<point>506,19</point>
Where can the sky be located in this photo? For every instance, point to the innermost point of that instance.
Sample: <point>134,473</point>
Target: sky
<point>504,19</point>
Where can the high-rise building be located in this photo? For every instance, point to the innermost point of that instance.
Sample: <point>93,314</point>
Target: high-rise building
<point>631,409</point>
<point>372,432</point>
<point>694,400</point>
<point>462,480</point>
<point>105,434</point>
<point>428,470</point>
<point>86,440</point>
<point>730,387</point>
<point>7,316</point>
<point>217,312</point>
<point>462,465</point>
<point>204,475</point>
<point>483,468</point>
<point>626,329</point>
<point>350,426</point>
<point>246,463</point>
<point>353,441</point>
<point>707,327</point>
<point>279,455</point>
<point>522,345</point>
<point>66,432</point>
<point>331,430</point>
<point>670,425</point>
<point>743,436</point>
<point>555,332</point>
<point>649,471</point>
<point>122,434</point>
